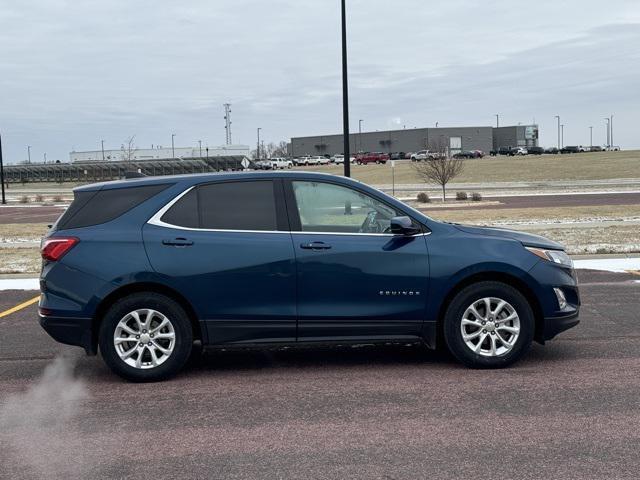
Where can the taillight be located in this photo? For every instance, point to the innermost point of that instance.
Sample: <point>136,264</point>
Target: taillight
<point>53,249</point>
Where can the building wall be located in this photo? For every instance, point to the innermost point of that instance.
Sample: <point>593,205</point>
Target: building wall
<point>405,140</point>
<point>515,136</point>
<point>157,153</point>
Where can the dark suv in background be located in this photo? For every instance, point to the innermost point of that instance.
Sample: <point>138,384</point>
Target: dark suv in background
<point>140,269</point>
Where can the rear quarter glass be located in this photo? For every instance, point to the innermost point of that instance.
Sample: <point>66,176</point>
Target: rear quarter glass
<point>94,208</point>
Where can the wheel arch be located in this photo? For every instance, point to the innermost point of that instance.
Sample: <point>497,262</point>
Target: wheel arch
<point>138,287</point>
<point>493,276</point>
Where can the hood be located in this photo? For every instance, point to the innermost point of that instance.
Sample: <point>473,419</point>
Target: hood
<point>528,239</point>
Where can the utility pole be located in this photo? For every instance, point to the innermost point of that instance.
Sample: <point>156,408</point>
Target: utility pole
<point>227,122</point>
<point>591,138</point>
<point>608,137</point>
<point>558,117</point>
<point>562,135</point>
<point>345,95</point>
<point>497,120</point>
<point>102,143</point>
<point>173,147</point>
<point>360,134</point>
<point>45,157</point>
<point>28,153</point>
<point>4,200</point>
<point>200,146</point>
<point>258,145</point>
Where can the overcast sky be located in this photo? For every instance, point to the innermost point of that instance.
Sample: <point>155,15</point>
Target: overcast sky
<point>75,72</point>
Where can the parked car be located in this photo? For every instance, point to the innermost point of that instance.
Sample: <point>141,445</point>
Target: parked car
<point>552,150</point>
<point>464,154</point>
<point>504,151</point>
<point>339,159</point>
<point>280,163</point>
<point>518,151</point>
<point>371,157</point>
<point>478,153</point>
<point>141,269</point>
<point>398,156</point>
<point>596,148</point>
<point>313,160</point>
<point>421,155</point>
<point>570,149</point>
<point>535,150</point>
<point>263,165</point>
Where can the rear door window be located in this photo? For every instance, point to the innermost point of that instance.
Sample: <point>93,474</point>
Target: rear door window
<point>247,205</point>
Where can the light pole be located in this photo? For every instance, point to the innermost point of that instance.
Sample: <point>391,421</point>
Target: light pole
<point>497,120</point>
<point>102,143</point>
<point>173,147</point>
<point>562,135</point>
<point>345,95</point>
<point>28,153</point>
<point>360,134</point>
<point>4,200</point>
<point>45,157</point>
<point>200,146</point>
<point>608,137</point>
<point>590,138</point>
<point>611,130</point>
<point>258,145</point>
<point>558,117</point>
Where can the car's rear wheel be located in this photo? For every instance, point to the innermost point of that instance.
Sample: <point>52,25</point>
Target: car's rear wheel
<point>489,325</point>
<point>145,337</point>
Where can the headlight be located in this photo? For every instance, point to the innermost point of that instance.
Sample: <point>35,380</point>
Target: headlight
<point>555,256</point>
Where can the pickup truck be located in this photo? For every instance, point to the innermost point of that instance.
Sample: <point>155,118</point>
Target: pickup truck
<point>371,157</point>
<point>280,163</point>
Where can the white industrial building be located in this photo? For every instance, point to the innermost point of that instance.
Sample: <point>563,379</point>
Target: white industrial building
<point>159,153</point>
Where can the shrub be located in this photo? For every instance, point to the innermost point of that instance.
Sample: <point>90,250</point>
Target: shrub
<point>24,199</point>
<point>476,197</point>
<point>39,198</point>
<point>57,198</point>
<point>423,198</point>
<point>461,195</point>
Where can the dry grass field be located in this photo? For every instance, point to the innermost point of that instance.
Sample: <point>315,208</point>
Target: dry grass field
<point>583,166</point>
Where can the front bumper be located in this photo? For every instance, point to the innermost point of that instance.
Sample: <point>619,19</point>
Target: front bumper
<point>70,331</point>
<point>555,325</point>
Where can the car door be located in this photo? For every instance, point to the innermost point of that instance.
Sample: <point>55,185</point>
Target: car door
<point>354,278</point>
<point>226,247</point>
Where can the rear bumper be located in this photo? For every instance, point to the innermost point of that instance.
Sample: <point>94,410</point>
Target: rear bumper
<point>70,331</point>
<point>555,325</point>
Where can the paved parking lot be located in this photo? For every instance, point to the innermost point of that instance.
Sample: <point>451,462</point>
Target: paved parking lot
<point>571,409</point>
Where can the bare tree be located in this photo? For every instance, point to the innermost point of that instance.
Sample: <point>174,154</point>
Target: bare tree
<point>129,149</point>
<point>440,169</point>
<point>280,150</point>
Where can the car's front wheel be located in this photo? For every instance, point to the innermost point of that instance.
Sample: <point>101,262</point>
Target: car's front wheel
<point>145,337</point>
<point>489,325</point>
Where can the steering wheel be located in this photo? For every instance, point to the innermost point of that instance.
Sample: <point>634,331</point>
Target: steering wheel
<point>372,225</point>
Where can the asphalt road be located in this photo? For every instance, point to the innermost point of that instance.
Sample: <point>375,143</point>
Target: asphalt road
<point>569,410</point>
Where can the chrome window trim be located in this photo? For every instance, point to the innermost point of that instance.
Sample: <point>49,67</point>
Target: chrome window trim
<point>156,220</point>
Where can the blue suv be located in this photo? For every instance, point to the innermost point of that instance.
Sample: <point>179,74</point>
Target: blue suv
<point>142,269</point>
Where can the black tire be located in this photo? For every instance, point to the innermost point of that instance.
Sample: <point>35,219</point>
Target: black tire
<point>465,298</point>
<point>166,306</point>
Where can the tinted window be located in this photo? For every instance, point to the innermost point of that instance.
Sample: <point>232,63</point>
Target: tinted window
<point>184,213</point>
<point>325,207</point>
<point>238,206</point>
<point>105,205</point>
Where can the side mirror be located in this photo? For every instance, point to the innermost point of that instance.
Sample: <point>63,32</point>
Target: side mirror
<point>403,226</point>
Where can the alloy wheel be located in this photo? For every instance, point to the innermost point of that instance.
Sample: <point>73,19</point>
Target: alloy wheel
<point>144,338</point>
<point>490,327</point>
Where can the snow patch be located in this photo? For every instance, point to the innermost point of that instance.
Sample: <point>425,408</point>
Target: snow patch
<point>19,284</point>
<point>618,265</point>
